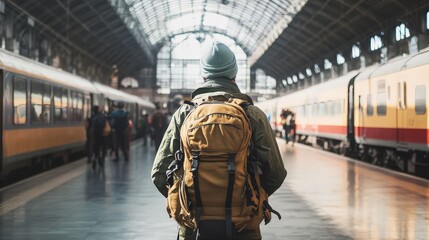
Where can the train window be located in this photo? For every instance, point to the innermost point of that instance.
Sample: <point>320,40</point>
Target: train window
<point>80,106</point>
<point>337,107</point>
<point>40,103</point>
<point>73,106</point>
<point>64,104</point>
<point>420,99</point>
<point>46,109</point>
<point>330,108</point>
<point>19,101</point>
<point>301,110</point>
<point>314,109</point>
<point>370,108</point>
<point>381,98</point>
<point>86,110</point>
<point>322,109</point>
<point>308,110</point>
<point>381,104</point>
<point>77,106</point>
<point>58,106</point>
<point>36,101</point>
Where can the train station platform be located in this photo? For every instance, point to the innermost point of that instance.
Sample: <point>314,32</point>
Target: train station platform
<point>325,196</point>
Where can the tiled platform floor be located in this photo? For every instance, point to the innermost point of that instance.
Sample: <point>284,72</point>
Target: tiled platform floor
<point>323,197</point>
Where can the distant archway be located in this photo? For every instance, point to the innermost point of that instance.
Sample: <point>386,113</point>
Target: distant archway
<point>178,67</point>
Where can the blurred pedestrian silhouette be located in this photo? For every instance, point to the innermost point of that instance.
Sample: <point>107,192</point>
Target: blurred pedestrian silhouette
<point>159,125</point>
<point>120,122</point>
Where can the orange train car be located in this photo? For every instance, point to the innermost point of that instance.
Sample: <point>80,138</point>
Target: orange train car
<point>43,113</point>
<point>378,114</point>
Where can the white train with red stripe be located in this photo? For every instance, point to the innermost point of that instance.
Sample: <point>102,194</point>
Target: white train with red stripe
<point>378,114</point>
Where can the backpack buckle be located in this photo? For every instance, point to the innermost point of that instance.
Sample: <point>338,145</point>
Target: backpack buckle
<point>194,164</point>
<point>178,156</point>
<point>231,167</point>
<point>231,163</point>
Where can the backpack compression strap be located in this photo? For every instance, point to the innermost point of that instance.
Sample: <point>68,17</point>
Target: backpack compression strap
<point>194,170</point>
<point>230,189</point>
<point>228,201</point>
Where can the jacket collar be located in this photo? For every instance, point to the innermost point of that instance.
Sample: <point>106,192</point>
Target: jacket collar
<point>216,85</point>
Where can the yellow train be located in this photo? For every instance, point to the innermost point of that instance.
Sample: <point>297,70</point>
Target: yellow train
<point>378,114</point>
<point>43,114</point>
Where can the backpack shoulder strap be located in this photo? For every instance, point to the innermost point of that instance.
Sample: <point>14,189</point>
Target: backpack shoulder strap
<point>177,163</point>
<point>243,103</point>
<point>241,96</point>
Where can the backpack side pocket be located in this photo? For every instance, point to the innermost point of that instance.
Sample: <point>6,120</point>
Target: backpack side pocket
<point>178,206</point>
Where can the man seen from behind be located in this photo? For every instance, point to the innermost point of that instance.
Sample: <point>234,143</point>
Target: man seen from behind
<point>219,70</point>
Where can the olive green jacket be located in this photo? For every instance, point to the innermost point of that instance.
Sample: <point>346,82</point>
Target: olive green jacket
<point>266,148</point>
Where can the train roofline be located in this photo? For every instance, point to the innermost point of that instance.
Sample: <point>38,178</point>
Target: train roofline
<point>395,65</point>
<point>22,65</point>
<point>117,95</point>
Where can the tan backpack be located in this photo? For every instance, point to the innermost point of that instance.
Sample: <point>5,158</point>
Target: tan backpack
<point>214,182</point>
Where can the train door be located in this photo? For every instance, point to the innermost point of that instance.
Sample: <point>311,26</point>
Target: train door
<point>360,116</point>
<point>350,112</point>
<point>401,110</point>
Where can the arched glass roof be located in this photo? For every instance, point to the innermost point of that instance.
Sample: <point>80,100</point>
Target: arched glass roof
<point>254,25</point>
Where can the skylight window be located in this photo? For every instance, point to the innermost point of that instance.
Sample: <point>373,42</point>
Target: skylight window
<point>215,20</point>
<point>316,68</point>
<point>327,64</point>
<point>284,82</point>
<point>402,32</point>
<point>183,22</point>
<point>340,59</point>
<point>355,51</point>
<point>178,66</point>
<point>271,82</point>
<point>295,78</point>
<point>427,20</point>
<point>376,43</point>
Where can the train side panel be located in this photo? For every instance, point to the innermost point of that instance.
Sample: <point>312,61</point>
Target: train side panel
<point>21,142</point>
<point>376,116</point>
<point>412,116</point>
<point>321,110</point>
<point>389,114</point>
<point>391,117</point>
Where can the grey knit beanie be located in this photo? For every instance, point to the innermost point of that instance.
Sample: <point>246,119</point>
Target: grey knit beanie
<point>217,60</point>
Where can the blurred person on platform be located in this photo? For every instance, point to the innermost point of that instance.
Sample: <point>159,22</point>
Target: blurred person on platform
<point>120,122</point>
